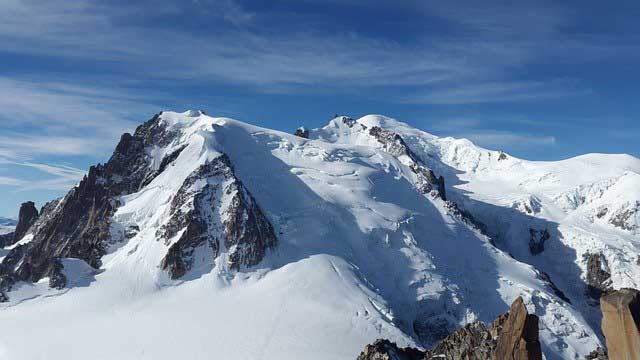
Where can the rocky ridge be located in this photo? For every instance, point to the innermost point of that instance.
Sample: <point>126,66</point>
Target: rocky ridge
<point>79,225</point>
<point>244,230</point>
<point>26,218</point>
<point>513,335</point>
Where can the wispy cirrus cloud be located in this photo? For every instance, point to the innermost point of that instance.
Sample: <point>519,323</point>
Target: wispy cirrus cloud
<point>299,59</point>
<point>52,118</point>
<point>48,176</point>
<point>10,181</point>
<point>43,123</point>
<point>499,92</point>
<point>500,139</point>
<point>88,70</point>
<point>484,133</point>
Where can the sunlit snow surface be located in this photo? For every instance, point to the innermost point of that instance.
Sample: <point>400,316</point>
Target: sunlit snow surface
<point>361,252</point>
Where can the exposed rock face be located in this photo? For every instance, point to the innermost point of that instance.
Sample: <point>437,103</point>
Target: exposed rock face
<point>350,122</point>
<point>393,143</point>
<point>597,354</point>
<point>466,216</point>
<point>518,338</point>
<point>302,132</point>
<point>621,323</point>
<point>513,335</point>
<point>537,238</point>
<point>598,275</point>
<point>502,156</point>
<point>627,217</point>
<point>26,218</point>
<point>473,341</point>
<point>383,349</point>
<point>545,277</point>
<point>212,207</point>
<point>78,225</point>
<point>6,239</point>
<point>221,207</point>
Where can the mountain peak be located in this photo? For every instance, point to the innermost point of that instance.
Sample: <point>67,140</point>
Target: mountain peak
<point>403,234</point>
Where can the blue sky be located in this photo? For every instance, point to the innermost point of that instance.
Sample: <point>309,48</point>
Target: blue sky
<point>542,81</point>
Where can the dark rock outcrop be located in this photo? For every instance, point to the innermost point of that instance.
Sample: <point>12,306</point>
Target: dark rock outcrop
<point>244,230</point>
<point>597,354</point>
<point>546,278</point>
<point>598,275</point>
<point>350,122</point>
<point>57,279</point>
<point>427,181</point>
<point>621,323</point>
<point>26,218</point>
<point>627,217</point>
<point>302,132</point>
<point>537,238</point>
<point>512,336</point>
<point>383,349</point>
<point>7,240</point>
<point>78,225</point>
<point>473,341</point>
<point>518,338</point>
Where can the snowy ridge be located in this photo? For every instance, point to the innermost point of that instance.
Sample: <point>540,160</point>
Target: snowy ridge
<point>588,206</point>
<point>350,239</point>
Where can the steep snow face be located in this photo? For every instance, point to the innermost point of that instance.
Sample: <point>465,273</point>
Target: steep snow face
<point>576,219</point>
<point>345,237</point>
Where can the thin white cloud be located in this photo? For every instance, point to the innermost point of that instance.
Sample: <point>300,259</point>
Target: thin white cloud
<point>488,134</point>
<point>32,145</point>
<point>53,118</point>
<point>61,171</point>
<point>46,122</point>
<point>501,139</point>
<point>11,181</point>
<point>51,177</point>
<point>498,92</point>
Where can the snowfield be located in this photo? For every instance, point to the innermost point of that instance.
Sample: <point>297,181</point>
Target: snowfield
<point>361,255</point>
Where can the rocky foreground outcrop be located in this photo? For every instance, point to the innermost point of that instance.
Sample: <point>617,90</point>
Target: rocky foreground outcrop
<point>621,323</point>
<point>512,336</point>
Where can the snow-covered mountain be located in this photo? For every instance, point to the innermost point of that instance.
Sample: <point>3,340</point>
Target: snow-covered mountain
<point>206,236</point>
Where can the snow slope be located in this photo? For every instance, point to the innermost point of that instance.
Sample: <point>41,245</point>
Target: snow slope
<point>589,204</point>
<point>361,254</point>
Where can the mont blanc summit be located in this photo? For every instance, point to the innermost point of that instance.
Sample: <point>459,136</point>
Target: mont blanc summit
<point>208,237</point>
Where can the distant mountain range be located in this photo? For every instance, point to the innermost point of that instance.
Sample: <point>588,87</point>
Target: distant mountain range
<point>7,225</point>
<point>7,222</point>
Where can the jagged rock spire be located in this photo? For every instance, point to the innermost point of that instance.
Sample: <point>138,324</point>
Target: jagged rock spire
<point>27,216</point>
<point>621,323</point>
<point>512,336</point>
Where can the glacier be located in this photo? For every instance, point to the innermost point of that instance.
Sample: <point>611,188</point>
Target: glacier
<point>381,230</point>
